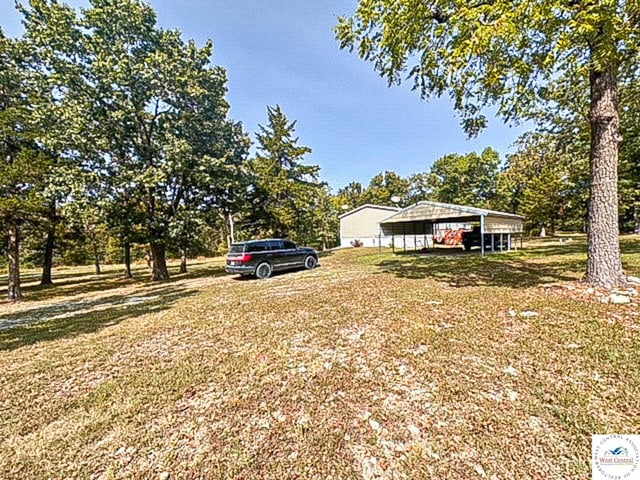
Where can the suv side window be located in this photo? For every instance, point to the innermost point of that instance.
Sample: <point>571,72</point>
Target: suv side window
<point>258,247</point>
<point>289,245</point>
<point>276,245</point>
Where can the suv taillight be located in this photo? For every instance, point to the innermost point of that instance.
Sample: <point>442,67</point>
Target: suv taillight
<point>245,258</point>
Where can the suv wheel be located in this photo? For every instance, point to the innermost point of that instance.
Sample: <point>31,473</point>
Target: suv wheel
<point>310,262</point>
<point>263,270</point>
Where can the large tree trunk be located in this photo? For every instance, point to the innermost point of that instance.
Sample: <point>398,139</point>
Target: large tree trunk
<point>604,266</point>
<point>13,251</point>
<point>47,264</point>
<point>127,260</point>
<point>159,266</point>
<point>183,260</point>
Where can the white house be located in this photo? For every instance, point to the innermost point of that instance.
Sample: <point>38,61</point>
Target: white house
<point>363,223</point>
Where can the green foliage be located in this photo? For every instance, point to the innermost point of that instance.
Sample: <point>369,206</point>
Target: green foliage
<point>382,187</point>
<point>469,179</point>
<point>23,166</point>
<point>419,188</point>
<point>512,54</point>
<point>351,196</point>
<point>153,115</point>
<point>325,225</point>
<point>385,186</point>
<point>286,190</point>
<point>629,176</point>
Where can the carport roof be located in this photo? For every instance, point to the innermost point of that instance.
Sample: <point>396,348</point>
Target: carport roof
<point>426,211</point>
<point>368,205</point>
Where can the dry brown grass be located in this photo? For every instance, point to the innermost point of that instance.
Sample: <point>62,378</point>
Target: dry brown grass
<point>372,366</point>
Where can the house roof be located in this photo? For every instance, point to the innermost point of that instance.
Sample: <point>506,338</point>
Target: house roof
<point>368,205</point>
<point>443,212</point>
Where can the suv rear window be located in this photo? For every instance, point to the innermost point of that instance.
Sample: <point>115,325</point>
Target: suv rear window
<point>237,248</point>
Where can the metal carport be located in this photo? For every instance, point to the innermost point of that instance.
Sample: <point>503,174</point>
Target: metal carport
<point>419,219</point>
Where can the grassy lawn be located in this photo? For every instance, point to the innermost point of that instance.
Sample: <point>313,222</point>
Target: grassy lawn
<point>374,366</point>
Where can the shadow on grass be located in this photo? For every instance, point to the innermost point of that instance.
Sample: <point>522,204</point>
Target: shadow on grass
<point>87,283</point>
<point>197,271</point>
<point>275,274</point>
<point>516,270</point>
<point>77,318</point>
<point>325,253</point>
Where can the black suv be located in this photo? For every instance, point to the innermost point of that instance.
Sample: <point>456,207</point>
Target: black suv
<point>262,257</point>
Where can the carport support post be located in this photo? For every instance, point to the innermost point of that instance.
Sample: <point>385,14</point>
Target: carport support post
<point>404,238</point>
<point>482,234</point>
<point>425,244</point>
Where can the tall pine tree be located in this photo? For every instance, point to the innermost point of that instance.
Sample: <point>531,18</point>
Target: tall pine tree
<point>285,188</point>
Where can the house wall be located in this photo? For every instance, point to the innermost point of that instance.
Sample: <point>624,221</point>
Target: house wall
<point>363,225</point>
<point>366,241</point>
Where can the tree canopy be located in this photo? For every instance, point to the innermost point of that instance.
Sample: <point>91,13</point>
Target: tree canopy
<point>469,179</point>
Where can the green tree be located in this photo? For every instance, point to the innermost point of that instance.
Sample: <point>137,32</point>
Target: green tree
<point>469,179</point>
<point>630,160</point>
<point>54,112</point>
<point>326,224</point>
<point>86,207</point>
<point>226,189</point>
<point>154,108</point>
<point>517,55</point>
<point>351,196</point>
<point>385,186</point>
<point>541,182</point>
<point>124,217</point>
<point>22,164</point>
<point>285,188</point>
<point>419,188</point>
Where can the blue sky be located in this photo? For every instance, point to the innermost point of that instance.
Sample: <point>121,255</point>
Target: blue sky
<point>284,52</point>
